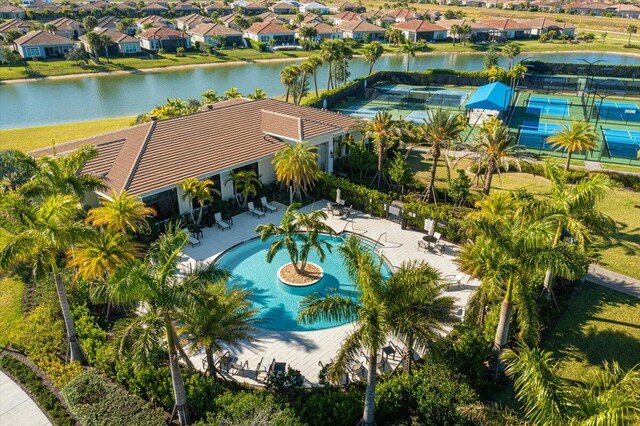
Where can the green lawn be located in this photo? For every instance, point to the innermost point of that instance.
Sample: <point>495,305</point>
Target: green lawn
<point>30,138</point>
<point>10,306</point>
<point>599,324</point>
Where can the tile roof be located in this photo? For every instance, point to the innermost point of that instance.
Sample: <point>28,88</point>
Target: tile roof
<point>155,6</point>
<point>324,28</point>
<point>115,36</point>
<point>448,23</point>
<point>542,23</point>
<point>418,25</point>
<point>283,5</point>
<point>272,17</point>
<point>35,38</point>
<point>268,28</point>
<point>108,21</point>
<point>404,14</point>
<point>194,19</point>
<point>65,24</point>
<point>14,24</point>
<point>9,8</point>
<point>348,16</point>
<point>154,156</point>
<point>214,29</point>
<point>360,26</point>
<point>505,24</point>
<point>161,33</point>
<point>153,20</point>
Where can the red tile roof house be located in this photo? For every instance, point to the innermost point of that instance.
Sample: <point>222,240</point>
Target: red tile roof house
<point>325,31</point>
<point>595,8</point>
<point>380,18</point>
<point>123,44</point>
<point>211,33</point>
<point>404,15</point>
<point>479,31</point>
<point>544,25</point>
<point>153,22</point>
<point>16,25</point>
<point>359,30</point>
<point>154,9</point>
<point>547,5</point>
<point>346,17</point>
<point>507,29</point>
<point>185,8</point>
<point>167,39</point>
<point>219,8</point>
<point>253,9</point>
<point>284,8</point>
<point>42,44</point>
<point>148,160</point>
<point>267,31</point>
<point>272,17</point>
<point>68,28</point>
<point>628,11</point>
<point>9,11</point>
<point>191,21</point>
<point>347,7</point>
<point>307,18</point>
<point>421,30</point>
<point>109,22</point>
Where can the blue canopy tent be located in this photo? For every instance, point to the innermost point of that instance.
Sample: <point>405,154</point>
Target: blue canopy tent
<point>495,96</point>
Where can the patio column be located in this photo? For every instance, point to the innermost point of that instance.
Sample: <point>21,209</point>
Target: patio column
<point>330,157</point>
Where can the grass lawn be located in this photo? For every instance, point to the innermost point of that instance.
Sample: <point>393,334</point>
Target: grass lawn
<point>620,167</point>
<point>600,324</point>
<point>10,306</point>
<point>30,138</point>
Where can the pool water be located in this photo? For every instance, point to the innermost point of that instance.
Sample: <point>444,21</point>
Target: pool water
<point>277,303</point>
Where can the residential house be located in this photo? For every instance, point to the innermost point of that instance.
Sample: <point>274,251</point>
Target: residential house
<point>9,11</point>
<point>230,20</point>
<point>68,28</point>
<point>283,8</point>
<point>404,15</point>
<point>213,33</point>
<point>307,18</point>
<point>593,8</point>
<point>421,30</point>
<point>182,8</point>
<point>479,31</point>
<point>47,8</point>
<point>153,21</point>
<point>156,9</point>
<point>346,17</point>
<point>515,5</point>
<point>121,44</point>
<point>347,7</point>
<point>95,8</point>
<point>325,31</point>
<point>218,8</point>
<point>506,29</point>
<point>191,21</point>
<point>42,44</point>
<point>164,38</point>
<point>547,5</point>
<point>361,30</point>
<point>314,7</point>
<point>108,22</point>
<point>147,160</point>
<point>267,31</point>
<point>540,26</point>
<point>15,25</point>
<point>253,9</point>
<point>628,11</point>
<point>272,17</point>
<point>125,9</point>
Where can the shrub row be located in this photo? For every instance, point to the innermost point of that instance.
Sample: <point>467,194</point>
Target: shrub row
<point>257,45</point>
<point>361,197</point>
<point>628,181</point>
<point>42,395</point>
<point>450,216</point>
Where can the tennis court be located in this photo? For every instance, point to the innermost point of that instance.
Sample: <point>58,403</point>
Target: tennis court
<point>427,96</point>
<point>543,105</point>
<point>368,112</point>
<point>534,134</point>
<point>618,111</point>
<point>622,143</point>
<point>418,117</point>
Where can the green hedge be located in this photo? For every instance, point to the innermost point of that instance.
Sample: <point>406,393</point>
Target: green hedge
<point>444,213</point>
<point>357,195</point>
<point>97,402</point>
<point>257,45</point>
<point>43,396</point>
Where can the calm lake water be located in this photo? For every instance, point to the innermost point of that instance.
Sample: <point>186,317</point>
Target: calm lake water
<point>89,98</point>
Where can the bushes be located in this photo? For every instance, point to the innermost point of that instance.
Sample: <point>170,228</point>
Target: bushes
<point>450,215</point>
<point>331,407</point>
<point>43,396</point>
<point>358,195</point>
<point>95,401</point>
<point>257,45</point>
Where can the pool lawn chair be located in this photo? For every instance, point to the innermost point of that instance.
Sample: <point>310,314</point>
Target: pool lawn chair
<point>357,371</point>
<point>254,211</point>
<point>237,368</point>
<point>192,240</point>
<point>346,212</point>
<point>439,245</point>
<point>222,224</point>
<point>268,206</point>
<point>456,279</point>
<point>261,372</point>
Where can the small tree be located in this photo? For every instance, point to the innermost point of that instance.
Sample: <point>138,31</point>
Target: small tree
<point>245,182</point>
<point>77,55</point>
<point>10,36</point>
<point>459,188</point>
<point>89,23</point>
<point>8,56</point>
<point>631,29</point>
<point>400,172</point>
<point>490,59</point>
<point>200,191</point>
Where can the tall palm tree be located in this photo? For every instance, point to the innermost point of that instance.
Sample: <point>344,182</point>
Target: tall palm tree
<point>464,32</point>
<point>121,212</point>
<point>408,49</point>
<point>307,68</point>
<point>153,281</point>
<point>223,318</point>
<point>511,50</point>
<point>631,29</point>
<point>382,308</point>
<point>314,63</point>
<point>199,191</point>
<point>516,73</point>
<point>372,53</point>
<point>298,233</point>
<point>38,234</point>
<point>577,137</point>
<point>289,77</point>
<point>297,165</point>
<point>381,130</point>
<point>106,42</point>
<point>441,131</point>
<point>455,32</point>
<point>245,182</point>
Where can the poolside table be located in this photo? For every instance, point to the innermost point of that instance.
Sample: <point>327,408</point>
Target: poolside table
<point>429,239</point>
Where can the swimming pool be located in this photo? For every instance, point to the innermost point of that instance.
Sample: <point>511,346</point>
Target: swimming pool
<point>277,303</point>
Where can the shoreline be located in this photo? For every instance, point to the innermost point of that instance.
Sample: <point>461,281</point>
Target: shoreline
<point>257,61</point>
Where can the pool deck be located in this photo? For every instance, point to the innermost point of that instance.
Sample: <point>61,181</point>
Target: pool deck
<point>303,350</point>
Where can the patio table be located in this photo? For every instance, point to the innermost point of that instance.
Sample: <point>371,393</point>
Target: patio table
<point>429,239</point>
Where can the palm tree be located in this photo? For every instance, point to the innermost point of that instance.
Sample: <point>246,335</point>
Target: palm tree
<point>289,77</point>
<point>577,137</point>
<point>153,282</point>
<point>122,213</point>
<point>511,50</point>
<point>297,165</point>
<point>258,94</point>
<point>38,233</point>
<point>232,93</point>
<point>223,318</point>
<point>95,43</point>
<point>408,49</point>
<point>441,130</point>
<point>106,42</point>
<point>200,191</point>
<point>210,97</point>
<point>307,67</point>
<point>382,308</point>
<point>298,233</point>
<point>516,73</point>
<point>464,32</point>
<point>372,53</point>
<point>455,32</point>
<point>314,62</point>
<point>381,130</point>
<point>245,182</point>
<point>331,51</point>
<point>631,29</point>
<point>307,33</point>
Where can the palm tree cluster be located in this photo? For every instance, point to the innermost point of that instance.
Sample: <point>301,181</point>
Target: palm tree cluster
<point>335,53</point>
<point>295,78</point>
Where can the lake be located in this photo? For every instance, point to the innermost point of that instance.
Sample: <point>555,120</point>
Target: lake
<point>40,103</point>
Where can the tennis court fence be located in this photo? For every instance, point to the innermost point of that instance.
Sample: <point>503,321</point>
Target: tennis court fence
<point>412,96</point>
<point>615,111</point>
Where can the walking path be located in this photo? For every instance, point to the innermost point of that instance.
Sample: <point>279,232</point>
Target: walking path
<point>16,407</point>
<point>613,280</point>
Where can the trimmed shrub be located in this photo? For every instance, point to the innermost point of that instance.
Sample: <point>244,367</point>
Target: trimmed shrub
<point>332,407</point>
<point>358,195</point>
<point>257,45</point>
<point>96,402</point>
<point>255,408</point>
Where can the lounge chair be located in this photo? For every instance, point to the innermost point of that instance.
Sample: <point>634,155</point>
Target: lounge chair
<point>267,205</point>
<point>192,240</point>
<point>358,371</point>
<point>237,368</point>
<point>254,211</point>
<point>456,279</point>
<point>261,372</point>
<point>222,224</point>
<point>346,212</point>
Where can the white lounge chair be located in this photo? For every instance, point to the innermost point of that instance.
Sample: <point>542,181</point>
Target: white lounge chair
<point>254,211</point>
<point>455,279</point>
<point>192,240</point>
<point>222,224</point>
<point>268,206</point>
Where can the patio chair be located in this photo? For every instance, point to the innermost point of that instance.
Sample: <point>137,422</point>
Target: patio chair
<point>422,245</point>
<point>346,212</point>
<point>456,279</point>
<point>439,245</point>
<point>267,205</point>
<point>222,224</point>
<point>192,240</point>
<point>358,371</point>
<point>237,368</point>
<point>254,211</point>
<point>261,371</point>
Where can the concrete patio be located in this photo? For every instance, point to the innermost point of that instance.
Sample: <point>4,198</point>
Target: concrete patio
<point>303,350</point>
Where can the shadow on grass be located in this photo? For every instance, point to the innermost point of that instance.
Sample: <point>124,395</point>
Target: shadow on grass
<point>626,238</point>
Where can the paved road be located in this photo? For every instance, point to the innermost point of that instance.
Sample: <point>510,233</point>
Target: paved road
<point>16,407</point>
<point>613,280</point>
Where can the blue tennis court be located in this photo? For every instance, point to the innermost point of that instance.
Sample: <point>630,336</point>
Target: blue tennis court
<point>542,105</point>
<point>622,143</point>
<point>534,134</point>
<point>618,111</point>
<point>362,112</point>
<point>418,117</point>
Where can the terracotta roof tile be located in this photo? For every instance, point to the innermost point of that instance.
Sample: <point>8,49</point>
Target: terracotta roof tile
<point>418,25</point>
<point>268,28</point>
<point>35,38</point>
<point>214,29</point>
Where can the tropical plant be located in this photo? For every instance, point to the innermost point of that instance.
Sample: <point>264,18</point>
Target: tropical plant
<point>297,165</point>
<point>245,182</point>
<point>289,78</point>
<point>455,32</point>
<point>577,137</point>
<point>95,43</point>
<point>372,53</point>
<point>307,33</point>
<point>400,172</point>
<point>197,191</point>
<point>406,305</point>
<point>232,93</point>
<point>258,94</point>
<point>496,73</point>
<point>464,32</point>
<point>314,63</point>
<point>408,49</point>
<point>631,29</point>
<point>511,50</point>
<point>490,59</point>
<point>516,73</point>
<point>298,233</point>
<point>333,52</point>
<point>210,97</point>
<point>89,22</point>
<point>381,130</point>
<point>121,212</point>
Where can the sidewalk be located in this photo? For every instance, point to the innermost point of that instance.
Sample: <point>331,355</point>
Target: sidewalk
<point>16,407</point>
<point>613,280</point>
